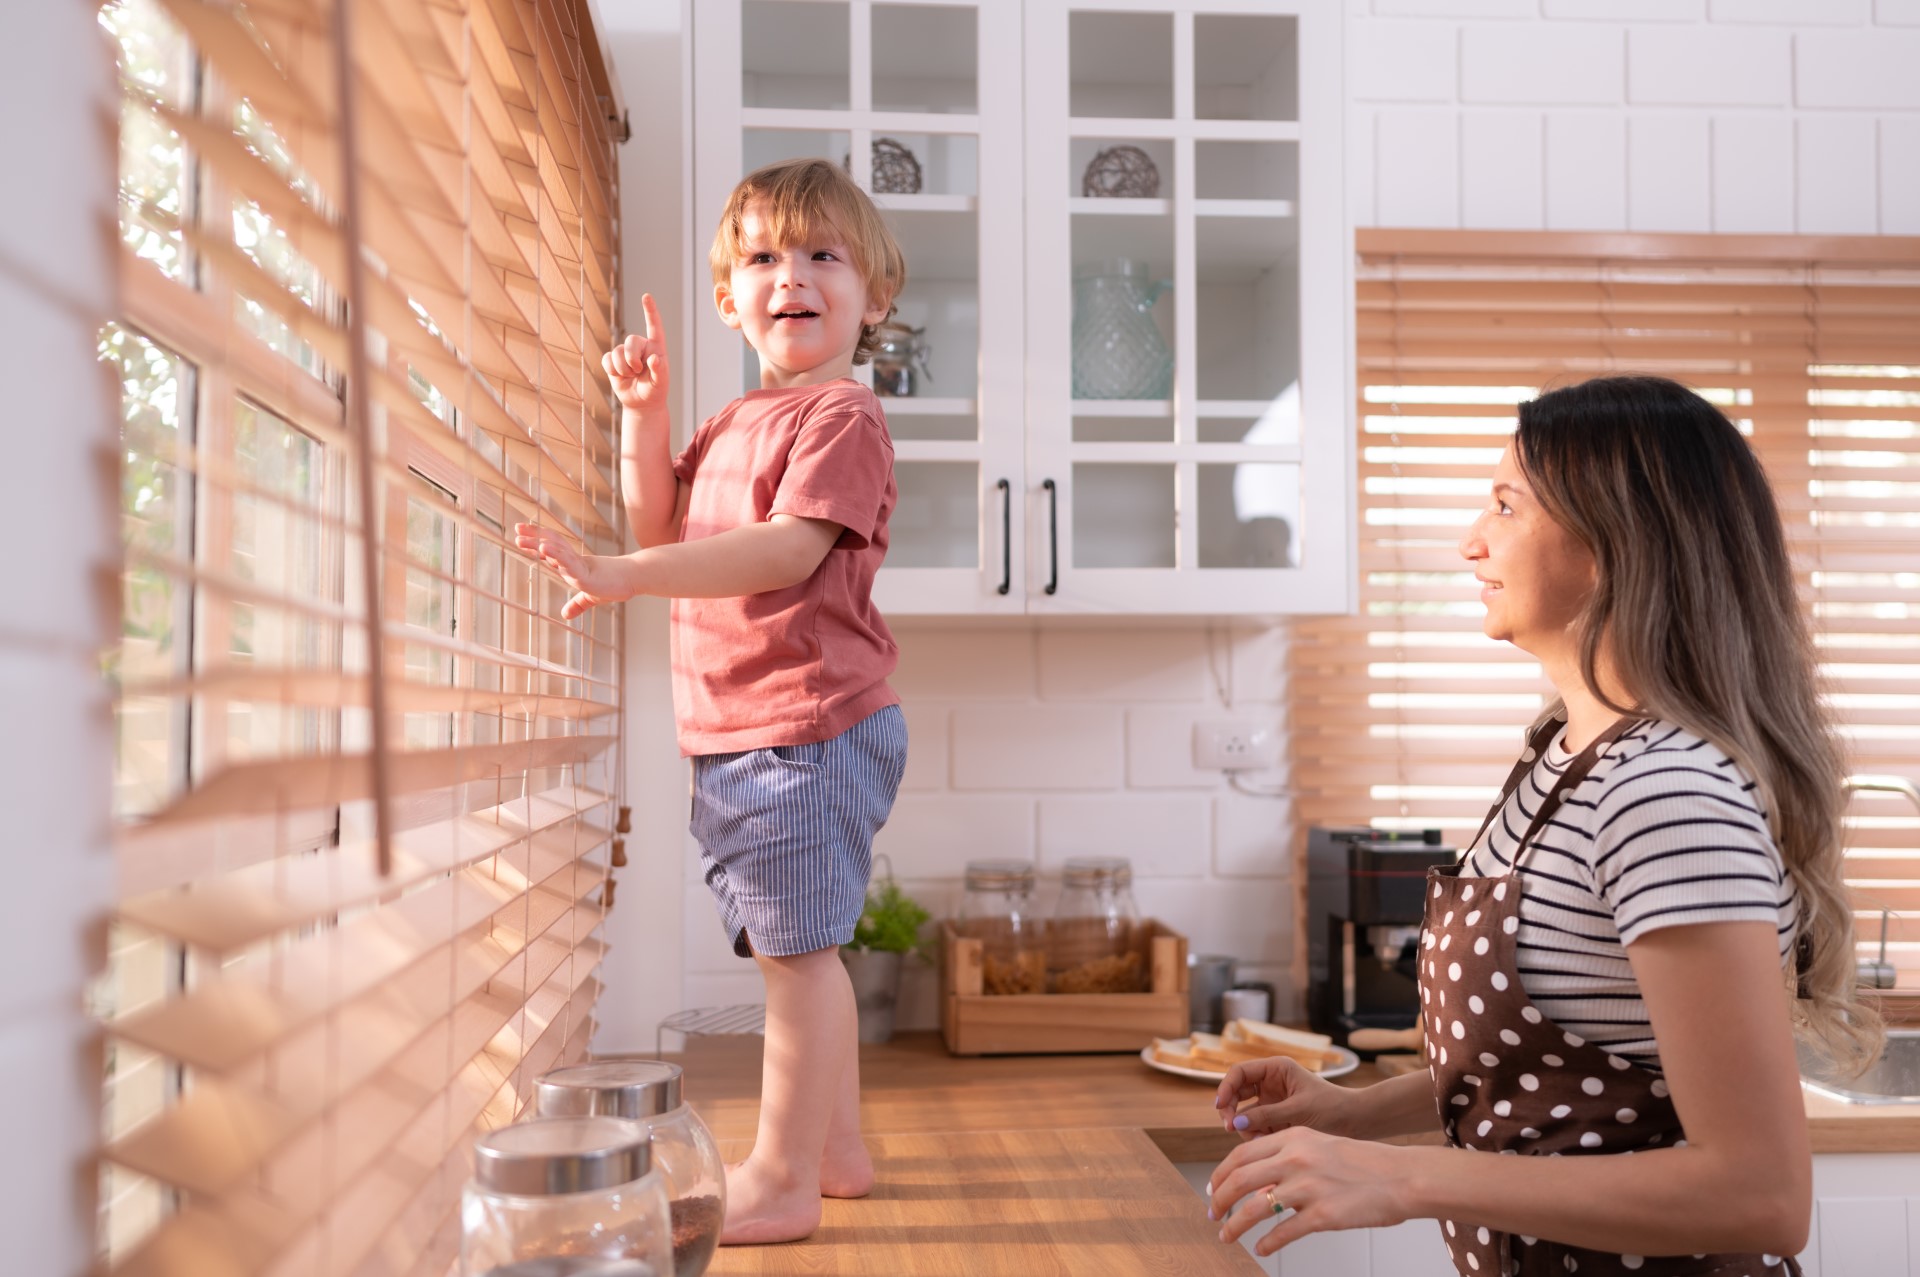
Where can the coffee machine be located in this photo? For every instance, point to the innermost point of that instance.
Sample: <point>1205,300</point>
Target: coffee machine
<point>1366,894</point>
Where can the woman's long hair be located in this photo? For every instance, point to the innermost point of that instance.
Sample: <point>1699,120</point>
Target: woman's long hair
<point>1696,613</point>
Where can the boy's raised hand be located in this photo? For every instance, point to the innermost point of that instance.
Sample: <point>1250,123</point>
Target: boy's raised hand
<point>593,578</point>
<point>637,367</point>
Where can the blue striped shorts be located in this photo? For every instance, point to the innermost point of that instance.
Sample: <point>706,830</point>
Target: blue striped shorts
<point>786,833</point>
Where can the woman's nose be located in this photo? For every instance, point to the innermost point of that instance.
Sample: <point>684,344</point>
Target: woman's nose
<point>1473,545</point>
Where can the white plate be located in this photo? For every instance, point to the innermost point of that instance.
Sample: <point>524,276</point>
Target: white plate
<point>1347,1063</point>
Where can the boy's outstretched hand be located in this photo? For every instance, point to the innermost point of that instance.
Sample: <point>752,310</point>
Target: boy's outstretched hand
<point>637,367</point>
<point>595,579</point>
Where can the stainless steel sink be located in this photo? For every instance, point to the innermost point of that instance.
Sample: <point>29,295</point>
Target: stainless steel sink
<point>1893,1079</point>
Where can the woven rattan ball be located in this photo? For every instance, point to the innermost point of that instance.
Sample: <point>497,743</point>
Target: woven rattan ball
<point>895,170</point>
<point>1121,172</point>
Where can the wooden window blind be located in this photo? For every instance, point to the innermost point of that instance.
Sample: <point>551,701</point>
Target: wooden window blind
<point>1405,715</point>
<point>367,781</point>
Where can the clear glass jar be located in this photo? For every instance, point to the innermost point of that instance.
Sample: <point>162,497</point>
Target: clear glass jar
<point>684,1151</point>
<point>1094,943</point>
<point>997,910</point>
<point>565,1197</point>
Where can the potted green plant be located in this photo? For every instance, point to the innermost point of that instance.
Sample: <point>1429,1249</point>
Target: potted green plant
<point>888,930</point>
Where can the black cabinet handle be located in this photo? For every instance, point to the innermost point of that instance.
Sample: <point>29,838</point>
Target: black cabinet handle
<point>1053,535</point>
<point>1006,534</point>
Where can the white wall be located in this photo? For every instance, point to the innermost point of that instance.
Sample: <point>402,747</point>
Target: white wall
<point>1048,743</point>
<point>57,129</point>
<point>1652,115</point>
<point>1780,116</point>
<point>643,969</point>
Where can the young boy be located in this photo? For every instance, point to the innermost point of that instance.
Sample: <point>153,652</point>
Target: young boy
<point>766,533</point>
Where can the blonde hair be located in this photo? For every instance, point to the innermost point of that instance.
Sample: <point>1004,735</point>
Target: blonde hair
<point>798,201</point>
<point>1695,605</point>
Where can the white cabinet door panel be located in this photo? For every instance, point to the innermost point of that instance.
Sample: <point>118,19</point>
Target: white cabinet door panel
<point>1412,1249</point>
<point>1863,1236</point>
<point>1328,1255</point>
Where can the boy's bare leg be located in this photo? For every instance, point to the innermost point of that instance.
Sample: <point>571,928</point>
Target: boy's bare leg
<point>774,1196</point>
<point>846,1168</point>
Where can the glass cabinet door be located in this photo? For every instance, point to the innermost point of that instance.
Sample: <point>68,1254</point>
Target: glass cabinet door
<point>1184,185</point>
<point>910,98</point>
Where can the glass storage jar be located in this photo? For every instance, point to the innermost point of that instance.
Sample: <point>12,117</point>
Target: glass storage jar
<point>997,910</point>
<point>565,1197</point>
<point>1093,941</point>
<point>684,1151</point>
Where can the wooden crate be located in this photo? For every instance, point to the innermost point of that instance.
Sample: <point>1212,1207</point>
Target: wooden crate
<point>977,1023</point>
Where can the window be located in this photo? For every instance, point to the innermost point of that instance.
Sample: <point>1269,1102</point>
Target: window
<point>357,994</point>
<point>1406,715</point>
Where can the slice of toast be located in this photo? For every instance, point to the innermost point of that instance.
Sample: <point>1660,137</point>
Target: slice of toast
<point>1224,1053</point>
<point>1313,1051</point>
<point>1167,1051</point>
<point>1261,1031</point>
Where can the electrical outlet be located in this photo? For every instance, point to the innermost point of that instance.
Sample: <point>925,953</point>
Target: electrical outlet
<point>1235,745</point>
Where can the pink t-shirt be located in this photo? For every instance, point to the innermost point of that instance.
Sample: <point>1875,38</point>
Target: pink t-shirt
<point>803,664</point>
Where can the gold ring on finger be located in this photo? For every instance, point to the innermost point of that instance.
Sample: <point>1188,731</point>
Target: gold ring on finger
<point>1279,1207</point>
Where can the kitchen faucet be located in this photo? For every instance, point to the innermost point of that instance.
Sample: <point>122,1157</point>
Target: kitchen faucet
<point>1878,973</point>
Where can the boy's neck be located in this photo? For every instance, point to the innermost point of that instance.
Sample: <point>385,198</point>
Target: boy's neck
<point>773,377</point>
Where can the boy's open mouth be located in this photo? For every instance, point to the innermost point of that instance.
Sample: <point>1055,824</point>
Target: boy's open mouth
<point>796,312</point>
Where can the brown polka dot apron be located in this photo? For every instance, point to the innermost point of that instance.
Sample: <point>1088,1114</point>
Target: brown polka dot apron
<point>1507,1079</point>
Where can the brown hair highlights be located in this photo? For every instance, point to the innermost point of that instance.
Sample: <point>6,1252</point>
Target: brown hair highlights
<point>802,200</point>
<point>1695,607</point>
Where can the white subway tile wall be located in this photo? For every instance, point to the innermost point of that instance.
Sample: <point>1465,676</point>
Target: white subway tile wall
<point>1790,12</point>
<point>1418,178</point>
<point>1836,174</point>
<point>1586,170</point>
<point>1431,78</point>
<point>1504,149</point>
<point>1626,10</point>
<point>1542,63</point>
<point>1404,61</point>
<point>1753,174</point>
<point>1709,66</point>
<point>1864,69</point>
<point>1900,175</point>
<point>1043,744</point>
<point>1669,172</point>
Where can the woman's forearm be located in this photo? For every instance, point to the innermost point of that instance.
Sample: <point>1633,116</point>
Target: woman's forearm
<point>1674,1201</point>
<point>1398,1106</point>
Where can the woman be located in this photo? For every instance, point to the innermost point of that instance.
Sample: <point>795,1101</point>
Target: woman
<point>1619,963</point>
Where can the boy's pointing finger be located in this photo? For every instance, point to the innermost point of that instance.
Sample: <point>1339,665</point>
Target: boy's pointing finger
<point>650,315</point>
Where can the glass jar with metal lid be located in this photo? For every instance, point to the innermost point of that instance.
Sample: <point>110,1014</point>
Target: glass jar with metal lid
<point>1093,941</point>
<point>566,1197</point>
<point>997,910</point>
<point>684,1151</point>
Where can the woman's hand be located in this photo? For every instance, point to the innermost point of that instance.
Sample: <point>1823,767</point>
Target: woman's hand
<point>1327,1182</point>
<point>637,367</point>
<point>594,578</point>
<point>1284,1095</point>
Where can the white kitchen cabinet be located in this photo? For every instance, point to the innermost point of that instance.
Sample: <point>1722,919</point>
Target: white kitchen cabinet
<point>1866,1223</point>
<point>1046,469</point>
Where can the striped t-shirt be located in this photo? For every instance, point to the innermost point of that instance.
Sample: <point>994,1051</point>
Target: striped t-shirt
<point>1664,831</point>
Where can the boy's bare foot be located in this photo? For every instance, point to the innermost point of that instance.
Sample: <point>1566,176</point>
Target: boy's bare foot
<point>846,1171</point>
<point>764,1207</point>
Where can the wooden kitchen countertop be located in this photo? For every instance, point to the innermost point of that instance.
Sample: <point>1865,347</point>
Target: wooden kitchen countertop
<point>911,1086</point>
<point>1057,1163</point>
